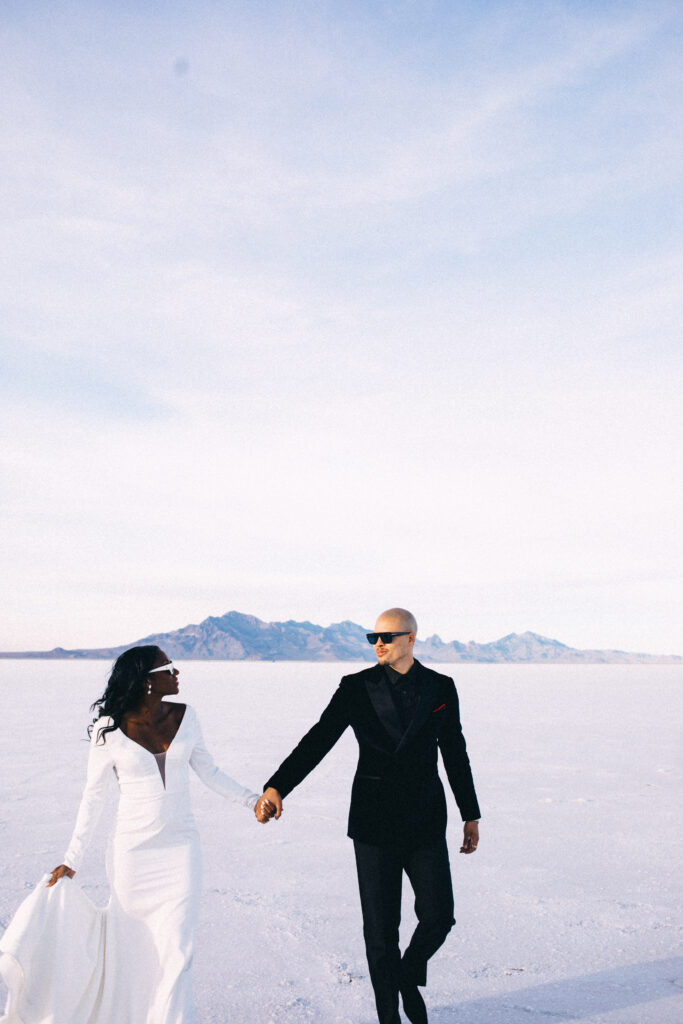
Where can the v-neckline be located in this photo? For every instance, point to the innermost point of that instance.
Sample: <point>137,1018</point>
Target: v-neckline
<point>151,752</point>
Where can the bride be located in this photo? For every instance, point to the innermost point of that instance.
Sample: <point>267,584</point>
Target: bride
<point>137,955</point>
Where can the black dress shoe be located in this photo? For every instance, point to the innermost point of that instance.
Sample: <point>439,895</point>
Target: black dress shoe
<point>413,1004</point>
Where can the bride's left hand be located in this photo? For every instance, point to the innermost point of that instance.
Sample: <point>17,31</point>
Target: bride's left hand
<point>266,809</point>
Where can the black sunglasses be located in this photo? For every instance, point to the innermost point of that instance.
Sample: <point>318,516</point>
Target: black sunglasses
<point>386,638</point>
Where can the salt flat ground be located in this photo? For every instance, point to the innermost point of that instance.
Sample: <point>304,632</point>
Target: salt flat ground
<point>570,910</point>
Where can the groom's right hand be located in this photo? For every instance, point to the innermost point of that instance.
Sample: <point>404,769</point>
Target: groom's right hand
<point>269,805</point>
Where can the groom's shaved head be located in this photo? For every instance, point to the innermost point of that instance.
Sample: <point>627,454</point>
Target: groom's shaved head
<point>400,619</point>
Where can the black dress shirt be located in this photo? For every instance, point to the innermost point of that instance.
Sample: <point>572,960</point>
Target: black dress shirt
<point>405,692</point>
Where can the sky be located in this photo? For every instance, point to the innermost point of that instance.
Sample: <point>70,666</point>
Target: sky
<point>312,308</point>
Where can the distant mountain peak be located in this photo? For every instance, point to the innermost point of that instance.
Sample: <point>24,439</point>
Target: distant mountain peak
<point>236,636</point>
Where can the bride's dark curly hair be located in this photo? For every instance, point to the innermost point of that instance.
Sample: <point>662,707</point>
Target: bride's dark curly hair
<point>125,688</point>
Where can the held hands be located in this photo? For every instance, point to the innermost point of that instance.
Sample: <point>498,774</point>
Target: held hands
<point>59,873</point>
<point>470,837</point>
<point>268,806</point>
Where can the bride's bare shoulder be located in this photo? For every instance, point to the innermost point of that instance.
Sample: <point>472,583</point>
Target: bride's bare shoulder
<point>179,711</point>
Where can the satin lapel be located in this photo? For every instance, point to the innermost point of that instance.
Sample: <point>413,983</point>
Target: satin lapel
<point>428,690</point>
<point>377,686</point>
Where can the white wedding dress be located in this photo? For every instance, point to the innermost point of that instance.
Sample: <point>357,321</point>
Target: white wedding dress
<point>67,962</point>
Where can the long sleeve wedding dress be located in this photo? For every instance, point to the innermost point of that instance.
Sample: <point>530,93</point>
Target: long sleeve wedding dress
<point>67,962</point>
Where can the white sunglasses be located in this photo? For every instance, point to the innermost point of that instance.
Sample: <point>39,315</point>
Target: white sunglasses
<point>168,667</point>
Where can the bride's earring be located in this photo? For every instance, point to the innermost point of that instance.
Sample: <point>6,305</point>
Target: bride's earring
<point>149,688</point>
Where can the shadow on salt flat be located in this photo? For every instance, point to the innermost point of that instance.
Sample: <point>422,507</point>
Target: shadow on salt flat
<point>574,999</point>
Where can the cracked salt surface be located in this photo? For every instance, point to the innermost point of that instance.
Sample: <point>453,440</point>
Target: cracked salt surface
<point>568,911</point>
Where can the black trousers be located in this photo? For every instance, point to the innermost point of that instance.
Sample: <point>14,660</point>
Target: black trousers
<point>380,878</point>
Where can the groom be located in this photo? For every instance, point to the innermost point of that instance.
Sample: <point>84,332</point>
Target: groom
<point>401,713</point>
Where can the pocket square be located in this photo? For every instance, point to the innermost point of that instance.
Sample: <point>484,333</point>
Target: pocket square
<point>439,708</point>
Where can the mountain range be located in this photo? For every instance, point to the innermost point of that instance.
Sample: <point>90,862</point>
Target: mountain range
<point>238,637</point>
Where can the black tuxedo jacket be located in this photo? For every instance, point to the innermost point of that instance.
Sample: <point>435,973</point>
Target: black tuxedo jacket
<point>397,796</point>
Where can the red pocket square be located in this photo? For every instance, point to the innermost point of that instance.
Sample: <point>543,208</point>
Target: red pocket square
<point>439,708</point>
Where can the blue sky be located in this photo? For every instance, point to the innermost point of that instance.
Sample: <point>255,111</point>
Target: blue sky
<point>313,308</point>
